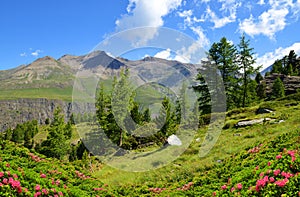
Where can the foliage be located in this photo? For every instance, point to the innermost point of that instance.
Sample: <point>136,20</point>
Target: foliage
<point>278,89</point>
<point>56,144</point>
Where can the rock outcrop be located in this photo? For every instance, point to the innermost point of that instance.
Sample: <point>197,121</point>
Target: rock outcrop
<point>13,112</point>
<point>291,83</point>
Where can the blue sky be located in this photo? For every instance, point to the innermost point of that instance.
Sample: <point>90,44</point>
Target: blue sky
<point>31,29</point>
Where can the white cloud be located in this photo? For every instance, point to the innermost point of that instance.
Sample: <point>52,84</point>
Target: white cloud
<point>36,53</point>
<point>143,13</point>
<point>269,58</point>
<point>270,21</point>
<point>165,54</point>
<point>23,54</point>
<point>261,2</point>
<point>220,22</point>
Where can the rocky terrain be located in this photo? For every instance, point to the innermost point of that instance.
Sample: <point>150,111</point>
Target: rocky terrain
<point>291,83</point>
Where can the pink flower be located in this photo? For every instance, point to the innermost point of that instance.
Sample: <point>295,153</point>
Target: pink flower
<point>215,193</point>
<point>286,174</point>
<point>276,172</point>
<point>7,165</point>
<point>19,190</point>
<point>239,186</point>
<point>5,181</point>
<point>257,167</point>
<point>37,187</point>
<point>278,157</point>
<point>60,194</point>
<point>224,187</point>
<point>272,180</point>
<point>37,194</point>
<point>261,174</point>
<point>1,174</point>
<point>269,163</point>
<point>43,176</point>
<point>281,183</point>
<point>232,189</point>
<point>45,191</point>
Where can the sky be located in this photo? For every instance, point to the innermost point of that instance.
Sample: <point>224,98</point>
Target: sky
<point>32,29</point>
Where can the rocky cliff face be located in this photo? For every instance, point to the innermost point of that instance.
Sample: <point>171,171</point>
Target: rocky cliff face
<point>291,83</point>
<point>13,112</point>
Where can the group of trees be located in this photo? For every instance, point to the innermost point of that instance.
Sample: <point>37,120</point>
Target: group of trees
<point>288,65</point>
<point>22,133</point>
<point>235,65</point>
<point>243,84</point>
<point>126,123</point>
<point>57,144</point>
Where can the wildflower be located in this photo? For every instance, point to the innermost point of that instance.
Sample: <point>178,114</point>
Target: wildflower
<point>239,186</point>
<point>37,187</point>
<point>269,163</point>
<point>215,193</point>
<point>276,172</point>
<point>5,181</point>
<point>37,194</point>
<point>261,174</point>
<point>278,156</point>
<point>1,174</point>
<point>43,176</point>
<point>60,194</point>
<point>224,187</point>
<point>232,189</point>
<point>281,183</point>
<point>272,180</point>
<point>7,165</point>
<point>44,191</point>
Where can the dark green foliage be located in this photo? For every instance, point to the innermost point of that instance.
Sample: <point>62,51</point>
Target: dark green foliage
<point>23,133</point>
<point>224,55</point>
<point>261,90</point>
<point>56,144</point>
<point>122,120</point>
<point>258,78</point>
<point>288,65</point>
<point>278,89</point>
<point>246,61</point>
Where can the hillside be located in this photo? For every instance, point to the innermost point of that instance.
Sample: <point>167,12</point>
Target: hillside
<point>262,160</point>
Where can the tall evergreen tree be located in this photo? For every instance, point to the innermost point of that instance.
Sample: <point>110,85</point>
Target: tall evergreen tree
<point>224,55</point>
<point>278,89</point>
<point>246,61</point>
<point>56,144</point>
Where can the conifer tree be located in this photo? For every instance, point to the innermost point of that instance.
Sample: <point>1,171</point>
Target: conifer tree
<point>224,55</point>
<point>278,89</point>
<point>246,61</point>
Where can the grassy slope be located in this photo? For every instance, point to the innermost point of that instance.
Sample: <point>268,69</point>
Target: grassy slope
<point>189,166</point>
<point>205,174</point>
<point>49,93</point>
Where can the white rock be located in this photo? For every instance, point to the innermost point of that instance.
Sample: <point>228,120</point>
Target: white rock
<point>174,140</point>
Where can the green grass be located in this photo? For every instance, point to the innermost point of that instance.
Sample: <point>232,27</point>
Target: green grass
<point>49,93</point>
<point>226,146</point>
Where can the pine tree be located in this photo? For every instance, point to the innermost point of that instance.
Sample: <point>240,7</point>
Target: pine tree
<point>56,143</point>
<point>258,78</point>
<point>246,61</point>
<point>261,90</point>
<point>278,89</point>
<point>224,55</point>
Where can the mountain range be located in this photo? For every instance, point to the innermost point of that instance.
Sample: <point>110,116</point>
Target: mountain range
<point>47,72</point>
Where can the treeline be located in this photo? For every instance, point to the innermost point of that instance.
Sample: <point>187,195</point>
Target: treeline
<point>243,83</point>
<point>288,65</point>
